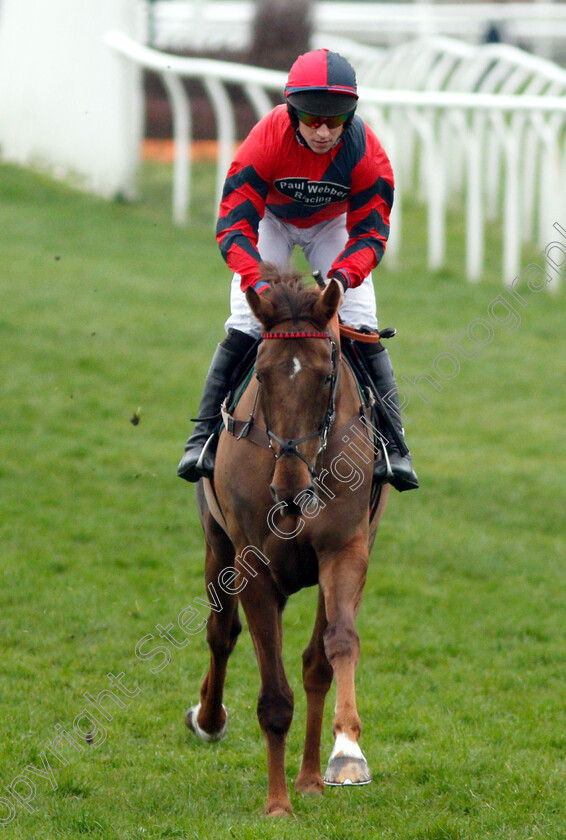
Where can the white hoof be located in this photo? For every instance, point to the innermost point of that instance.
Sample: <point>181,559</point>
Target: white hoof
<point>347,764</point>
<point>192,723</point>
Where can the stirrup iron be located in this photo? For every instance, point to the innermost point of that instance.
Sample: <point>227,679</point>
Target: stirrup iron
<point>200,462</point>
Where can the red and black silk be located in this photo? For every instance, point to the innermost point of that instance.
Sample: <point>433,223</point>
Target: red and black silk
<point>273,170</point>
<point>322,70</point>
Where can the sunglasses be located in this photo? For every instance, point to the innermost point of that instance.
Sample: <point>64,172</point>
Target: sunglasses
<point>312,121</point>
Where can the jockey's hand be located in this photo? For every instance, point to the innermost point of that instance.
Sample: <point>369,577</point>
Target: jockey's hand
<point>342,282</point>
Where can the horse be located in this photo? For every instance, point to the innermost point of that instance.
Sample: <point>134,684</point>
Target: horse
<point>289,508</point>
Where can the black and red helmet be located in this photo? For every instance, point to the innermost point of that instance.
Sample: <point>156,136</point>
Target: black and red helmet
<point>323,83</point>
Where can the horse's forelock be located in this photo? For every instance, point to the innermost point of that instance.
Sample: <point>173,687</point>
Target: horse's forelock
<point>290,298</point>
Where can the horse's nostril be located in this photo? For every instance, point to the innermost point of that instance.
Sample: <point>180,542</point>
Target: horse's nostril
<point>291,508</point>
<point>288,506</point>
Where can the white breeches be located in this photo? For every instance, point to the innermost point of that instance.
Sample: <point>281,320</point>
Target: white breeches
<point>321,245</point>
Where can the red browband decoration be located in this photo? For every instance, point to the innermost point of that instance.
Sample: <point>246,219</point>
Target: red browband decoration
<point>300,334</point>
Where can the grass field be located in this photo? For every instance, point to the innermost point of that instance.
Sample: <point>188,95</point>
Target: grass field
<point>107,310</point>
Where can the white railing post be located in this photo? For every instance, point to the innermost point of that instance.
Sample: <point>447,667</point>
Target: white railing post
<point>226,127</point>
<point>475,205</point>
<point>182,147</point>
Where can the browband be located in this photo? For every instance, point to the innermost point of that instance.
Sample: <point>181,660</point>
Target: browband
<point>299,334</point>
<point>348,332</point>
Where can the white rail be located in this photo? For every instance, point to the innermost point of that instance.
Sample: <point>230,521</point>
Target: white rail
<point>254,80</point>
<point>457,138</point>
<point>212,24</point>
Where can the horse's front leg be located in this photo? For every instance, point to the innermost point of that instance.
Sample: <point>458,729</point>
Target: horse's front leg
<point>208,719</point>
<point>317,678</point>
<point>342,577</point>
<point>263,606</point>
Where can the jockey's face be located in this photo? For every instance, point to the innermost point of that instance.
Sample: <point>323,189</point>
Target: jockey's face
<point>320,139</point>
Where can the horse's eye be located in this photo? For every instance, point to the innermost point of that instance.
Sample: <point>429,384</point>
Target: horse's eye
<point>328,380</point>
<point>258,377</point>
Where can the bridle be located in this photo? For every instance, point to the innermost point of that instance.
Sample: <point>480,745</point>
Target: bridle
<point>288,446</point>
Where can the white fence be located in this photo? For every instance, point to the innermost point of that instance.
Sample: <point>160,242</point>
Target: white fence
<point>503,150</point>
<point>213,24</point>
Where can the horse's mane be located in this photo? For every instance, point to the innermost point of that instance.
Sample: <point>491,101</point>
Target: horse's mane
<point>290,298</point>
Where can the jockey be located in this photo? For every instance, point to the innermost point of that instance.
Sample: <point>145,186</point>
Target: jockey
<point>311,173</point>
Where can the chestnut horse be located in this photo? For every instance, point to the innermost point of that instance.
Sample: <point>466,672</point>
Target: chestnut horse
<point>290,509</point>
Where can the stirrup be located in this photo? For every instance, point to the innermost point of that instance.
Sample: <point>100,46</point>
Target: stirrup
<point>200,463</point>
<point>384,479</point>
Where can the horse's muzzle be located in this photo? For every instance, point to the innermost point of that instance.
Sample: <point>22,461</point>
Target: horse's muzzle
<point>295,505</point>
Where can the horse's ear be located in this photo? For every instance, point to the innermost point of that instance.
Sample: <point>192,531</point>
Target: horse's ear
<point>260,305</point>
<point>327,305</point>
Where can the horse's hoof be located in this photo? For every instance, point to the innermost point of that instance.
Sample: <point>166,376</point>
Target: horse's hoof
<point>347,764</point>
<point>278,809</point>
<point>192,723</point>
<point>309,785</point>
<point>347,771</point>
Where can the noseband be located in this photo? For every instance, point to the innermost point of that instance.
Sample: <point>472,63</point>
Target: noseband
<point>288,446</point>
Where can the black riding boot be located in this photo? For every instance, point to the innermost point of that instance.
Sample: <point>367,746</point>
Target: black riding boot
<point>395,469</point>
<point>226,358</point>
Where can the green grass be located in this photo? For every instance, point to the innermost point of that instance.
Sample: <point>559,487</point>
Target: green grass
<point>106,309</point>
